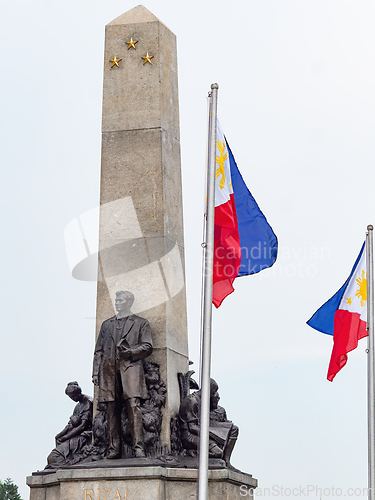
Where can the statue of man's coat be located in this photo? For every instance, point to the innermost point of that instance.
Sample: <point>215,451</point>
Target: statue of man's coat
<point>108,363</point>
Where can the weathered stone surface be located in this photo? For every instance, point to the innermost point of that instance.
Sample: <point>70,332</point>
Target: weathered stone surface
<point>141,242</point>
<point>137,483</point>
<point>136,95</point>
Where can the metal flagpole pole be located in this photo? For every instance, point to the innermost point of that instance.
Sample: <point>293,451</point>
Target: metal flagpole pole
<point>371,357</point>
<point>207,305</point>
<point>205,201</point>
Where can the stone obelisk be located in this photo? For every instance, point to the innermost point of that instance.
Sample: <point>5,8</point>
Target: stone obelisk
<point>141,241</point>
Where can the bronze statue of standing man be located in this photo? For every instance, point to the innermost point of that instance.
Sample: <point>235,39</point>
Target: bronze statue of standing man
<point>123,342</point>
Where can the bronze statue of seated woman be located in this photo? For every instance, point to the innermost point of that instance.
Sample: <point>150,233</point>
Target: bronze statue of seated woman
<point>72,441</point>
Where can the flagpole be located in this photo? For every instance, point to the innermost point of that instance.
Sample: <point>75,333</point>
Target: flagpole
<point>371,357</point>
<point>204,234</point>
<point>207,305</point>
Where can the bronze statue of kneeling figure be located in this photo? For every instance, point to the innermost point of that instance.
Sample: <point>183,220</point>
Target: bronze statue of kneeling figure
<point>223,433</point>
<point>75,438</point>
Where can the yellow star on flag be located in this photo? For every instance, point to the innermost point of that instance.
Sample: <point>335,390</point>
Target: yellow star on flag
<point>349,301</point>
<point>147,58</point>
<point>115,61</point>
<point>132,43</point>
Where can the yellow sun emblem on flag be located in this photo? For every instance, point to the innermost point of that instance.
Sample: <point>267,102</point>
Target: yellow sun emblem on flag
<point>362,290</point>
<point>220,160</point>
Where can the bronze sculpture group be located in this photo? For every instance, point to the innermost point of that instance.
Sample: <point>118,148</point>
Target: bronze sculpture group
<point>130,400</point>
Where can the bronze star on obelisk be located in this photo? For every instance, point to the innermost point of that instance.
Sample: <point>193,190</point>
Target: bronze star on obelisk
<point>132,43</point>
<point>115,61</point>
<point>147,58</point>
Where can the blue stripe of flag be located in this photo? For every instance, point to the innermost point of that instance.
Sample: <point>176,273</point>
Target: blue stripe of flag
<point>258,241</point>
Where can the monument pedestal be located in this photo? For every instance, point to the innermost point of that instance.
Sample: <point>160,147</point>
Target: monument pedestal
<point>137,483</point>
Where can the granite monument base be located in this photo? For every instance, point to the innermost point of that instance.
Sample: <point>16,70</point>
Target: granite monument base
<point>137,483</point>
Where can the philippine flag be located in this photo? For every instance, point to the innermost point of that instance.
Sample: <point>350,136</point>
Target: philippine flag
<point>244,242</point>
<point>345,316</point>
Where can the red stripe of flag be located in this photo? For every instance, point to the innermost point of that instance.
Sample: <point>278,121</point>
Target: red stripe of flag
<point>227,251</point>
<point>348,329</point>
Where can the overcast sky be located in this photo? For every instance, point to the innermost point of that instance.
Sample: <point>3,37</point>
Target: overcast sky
<point>297,105</point>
